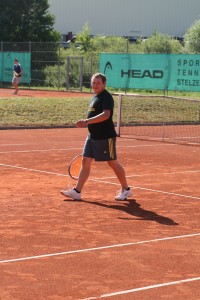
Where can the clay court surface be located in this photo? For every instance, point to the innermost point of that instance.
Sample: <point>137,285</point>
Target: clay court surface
<point>147,247</point>
<point>40,94</point>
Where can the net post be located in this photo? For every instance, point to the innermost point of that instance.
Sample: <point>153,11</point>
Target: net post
<point>119,114</point>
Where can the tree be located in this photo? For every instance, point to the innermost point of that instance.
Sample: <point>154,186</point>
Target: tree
<point>84,39</point>
<point>27,20</point>
<point>110,44</point>
<point>192,38</point>
<point>158,43</point>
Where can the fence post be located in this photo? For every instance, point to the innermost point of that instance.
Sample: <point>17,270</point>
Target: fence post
<point>30,65</point>
<point>68,73</point>
<point>59,75</point>
<point>2,60</point>
<point>119,114</point>
<point>81,74</point>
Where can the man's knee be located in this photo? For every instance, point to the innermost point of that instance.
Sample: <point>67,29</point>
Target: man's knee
<point>86,162</point>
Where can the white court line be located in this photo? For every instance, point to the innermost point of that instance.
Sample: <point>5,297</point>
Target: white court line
<point>150,174</point>
<point>147,189</point>
<point>98,248</point>
<point>143,288</point>
<point>6,145</point>
<point>68,149</point>
<point>103,181</point>
<point>40,150</point>
<point>168,193</point>
<point>33,170</point>
<point>108,177</point>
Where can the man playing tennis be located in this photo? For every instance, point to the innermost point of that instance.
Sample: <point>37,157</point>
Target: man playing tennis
<point>100,143</point>
<point>17,73</point>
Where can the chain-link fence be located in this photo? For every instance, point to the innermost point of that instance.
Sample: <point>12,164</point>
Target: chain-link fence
<point>52,65</point>
<point>64,66</point>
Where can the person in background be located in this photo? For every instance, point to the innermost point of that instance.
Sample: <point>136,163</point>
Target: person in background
<point>100,143</point>
<point>17,74</point>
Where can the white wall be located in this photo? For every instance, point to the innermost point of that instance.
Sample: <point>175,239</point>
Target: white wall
<point>125,17</point>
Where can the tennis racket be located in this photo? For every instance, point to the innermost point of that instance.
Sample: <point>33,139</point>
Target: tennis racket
<point>15,74</point>
<point>74,166</point>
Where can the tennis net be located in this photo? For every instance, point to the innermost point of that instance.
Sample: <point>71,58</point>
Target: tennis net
<point>161,118</point>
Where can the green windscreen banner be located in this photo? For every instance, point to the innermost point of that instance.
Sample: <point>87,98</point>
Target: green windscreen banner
<point>7,63</point>
<point>177,72</point>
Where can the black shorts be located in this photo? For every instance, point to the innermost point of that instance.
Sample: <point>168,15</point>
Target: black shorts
<point>100,150</point>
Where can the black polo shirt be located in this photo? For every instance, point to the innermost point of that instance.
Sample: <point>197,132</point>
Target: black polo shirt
<point>105,129</point>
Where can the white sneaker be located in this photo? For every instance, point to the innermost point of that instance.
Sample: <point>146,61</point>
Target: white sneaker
<point>71,193</point>
<point>124,194</point>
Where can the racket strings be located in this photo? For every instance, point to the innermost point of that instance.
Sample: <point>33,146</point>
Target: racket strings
<point>75,166</point>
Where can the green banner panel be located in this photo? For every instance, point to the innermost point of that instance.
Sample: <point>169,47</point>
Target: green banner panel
<point>152,71</point>
<point>1,69</point>
<point>7,63</point>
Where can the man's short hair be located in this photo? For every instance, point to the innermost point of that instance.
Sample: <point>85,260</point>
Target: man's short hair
<point>99,75</point>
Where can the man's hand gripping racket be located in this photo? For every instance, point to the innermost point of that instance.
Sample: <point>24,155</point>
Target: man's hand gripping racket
<point>15,74</point>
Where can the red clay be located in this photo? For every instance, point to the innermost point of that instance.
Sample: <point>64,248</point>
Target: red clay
<point>40,94</point>
<point>37,221</point>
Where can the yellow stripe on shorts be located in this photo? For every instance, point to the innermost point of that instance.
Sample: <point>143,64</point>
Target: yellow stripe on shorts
<point>111,148</point>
